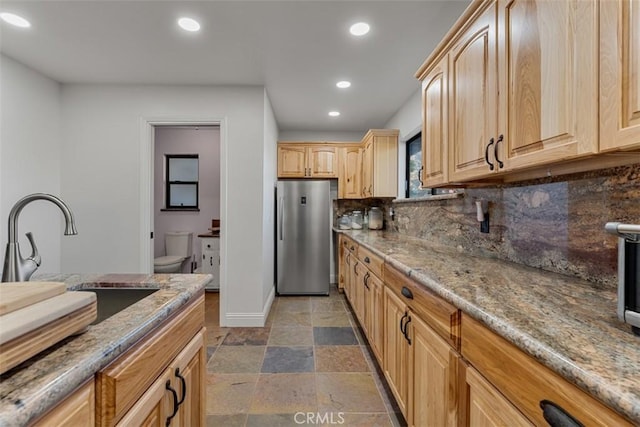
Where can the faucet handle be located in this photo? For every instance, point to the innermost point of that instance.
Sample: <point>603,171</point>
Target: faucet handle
<point>35,255</point>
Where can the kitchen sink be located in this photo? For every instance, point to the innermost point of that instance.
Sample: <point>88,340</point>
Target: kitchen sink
<point>113,300</point>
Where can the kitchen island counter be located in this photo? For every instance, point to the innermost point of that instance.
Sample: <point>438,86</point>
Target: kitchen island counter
<point>567,324</point>
<point>32,388</point>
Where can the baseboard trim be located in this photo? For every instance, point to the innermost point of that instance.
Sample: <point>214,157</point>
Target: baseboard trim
<point>251,319</point>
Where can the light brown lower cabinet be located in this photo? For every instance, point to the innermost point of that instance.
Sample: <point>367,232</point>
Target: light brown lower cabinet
<point>528,384</point>
<point>77,410</point>
<point>420,367</point>
<point>160,381</point>
<point>175,398</point>
<point>486,406</point>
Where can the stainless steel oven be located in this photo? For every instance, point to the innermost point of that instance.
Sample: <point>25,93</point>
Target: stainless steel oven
<point>628,272</point>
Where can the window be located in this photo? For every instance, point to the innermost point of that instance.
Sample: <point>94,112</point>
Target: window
<point>414,166</point>
<point>181,181</point>
<point>414,173</point>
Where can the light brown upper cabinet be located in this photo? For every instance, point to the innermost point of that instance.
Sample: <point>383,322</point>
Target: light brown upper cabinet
<point>350,172</point>
<point>307,161</point>
<point>434,126</point>
<point>619,75</point>
<point>533,89</point>
<point>380,163</point>
<point>473,99</point>
<point>548,82</point>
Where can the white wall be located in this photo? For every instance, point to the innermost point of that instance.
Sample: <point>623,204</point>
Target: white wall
<point>311,136</point>
<point>30,158</point>
<point>101,179</point>
<point>268,203</point>
<point>408,119</point>
<point>204,141</point>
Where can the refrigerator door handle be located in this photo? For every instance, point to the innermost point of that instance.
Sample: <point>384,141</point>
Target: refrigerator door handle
<point>281,219</point>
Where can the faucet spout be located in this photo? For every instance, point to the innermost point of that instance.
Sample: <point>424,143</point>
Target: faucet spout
<point>16,268</point>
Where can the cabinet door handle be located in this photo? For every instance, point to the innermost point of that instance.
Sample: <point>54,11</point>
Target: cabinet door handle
<point>406,314</point>
<point>175,402</point>
<point>353,248</point>
<point>367,260</point>
<point>556,416</point>
<point>495,151</point>
<point>486,153</point>
<point>420,175</point>
<point>406,292</point>
<point>184,386</point>
<point>366,280</point>
<point>406,330</point>
<point>211,261</point>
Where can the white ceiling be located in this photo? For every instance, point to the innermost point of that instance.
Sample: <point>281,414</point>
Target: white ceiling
<point>298,50</point>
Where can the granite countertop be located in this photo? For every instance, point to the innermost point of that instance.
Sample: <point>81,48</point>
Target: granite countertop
<point>567,324</point>
<point>32,388</point>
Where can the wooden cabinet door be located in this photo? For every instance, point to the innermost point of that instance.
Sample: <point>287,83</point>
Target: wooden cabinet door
<point>487,407</point>
<point>385,165</point>
<point>375,308</point>
<point>473,99</point>
<point>188,371</point>
<point>548,73</point>
<point>155,405</point>
<point>350,173</point>
<point>347,273</point>
<point>292,162</point>
<point>434,126</point>
<point>395,348</point>
<point>358,288</point>
<point>619,75</point>
<point>367,168</point>
<point>322,162</point>
<point>433,367</point>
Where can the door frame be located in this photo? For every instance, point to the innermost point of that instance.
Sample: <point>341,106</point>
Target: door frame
<point>147,146</point>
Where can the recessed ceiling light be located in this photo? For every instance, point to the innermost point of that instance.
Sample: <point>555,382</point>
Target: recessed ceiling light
<point>189,24</point>
<point>359,29</point>
<point>14,19</point>
<point>334,113</point>
<point>343,84</point>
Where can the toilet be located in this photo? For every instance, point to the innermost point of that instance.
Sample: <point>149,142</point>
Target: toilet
<point>178,245</point>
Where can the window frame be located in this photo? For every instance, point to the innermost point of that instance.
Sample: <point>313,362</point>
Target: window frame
<point>407,162</point>
<point>168,183</point>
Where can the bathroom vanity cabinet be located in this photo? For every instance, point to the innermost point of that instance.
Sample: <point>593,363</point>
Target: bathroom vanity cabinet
<point>210,260</point>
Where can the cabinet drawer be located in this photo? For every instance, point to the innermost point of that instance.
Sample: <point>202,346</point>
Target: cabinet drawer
<point>122,383</point>
<point>350,245</point>
<point>443,317</point>
<point>370,260</point>
<point>526,382</point>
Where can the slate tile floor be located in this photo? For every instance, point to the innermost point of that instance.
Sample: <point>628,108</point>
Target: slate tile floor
<point>309,358</point>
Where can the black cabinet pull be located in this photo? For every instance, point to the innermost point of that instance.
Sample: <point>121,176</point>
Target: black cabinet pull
<point>366,280</point>
<point>420,175</point>
<point>406,292</point>
<point>406,330</point>
<point>495,152</point>
<point>353,248</point>
<point>175,402</point>
<point>367,260</point>
<point>556,416</point>
<point>401,323</point>
<point>184,386</point>
<point>486,153</point>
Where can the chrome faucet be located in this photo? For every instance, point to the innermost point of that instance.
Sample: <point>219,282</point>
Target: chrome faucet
<point>16,268</point>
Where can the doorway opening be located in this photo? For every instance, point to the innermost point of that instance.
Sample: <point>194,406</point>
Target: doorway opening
<point>148,148</point>
<point>186,181</point>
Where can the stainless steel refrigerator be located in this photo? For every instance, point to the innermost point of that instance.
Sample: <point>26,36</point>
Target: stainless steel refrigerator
<point>303,235</point>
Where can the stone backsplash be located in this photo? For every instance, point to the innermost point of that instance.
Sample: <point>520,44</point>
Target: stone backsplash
<point>556,224</point>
